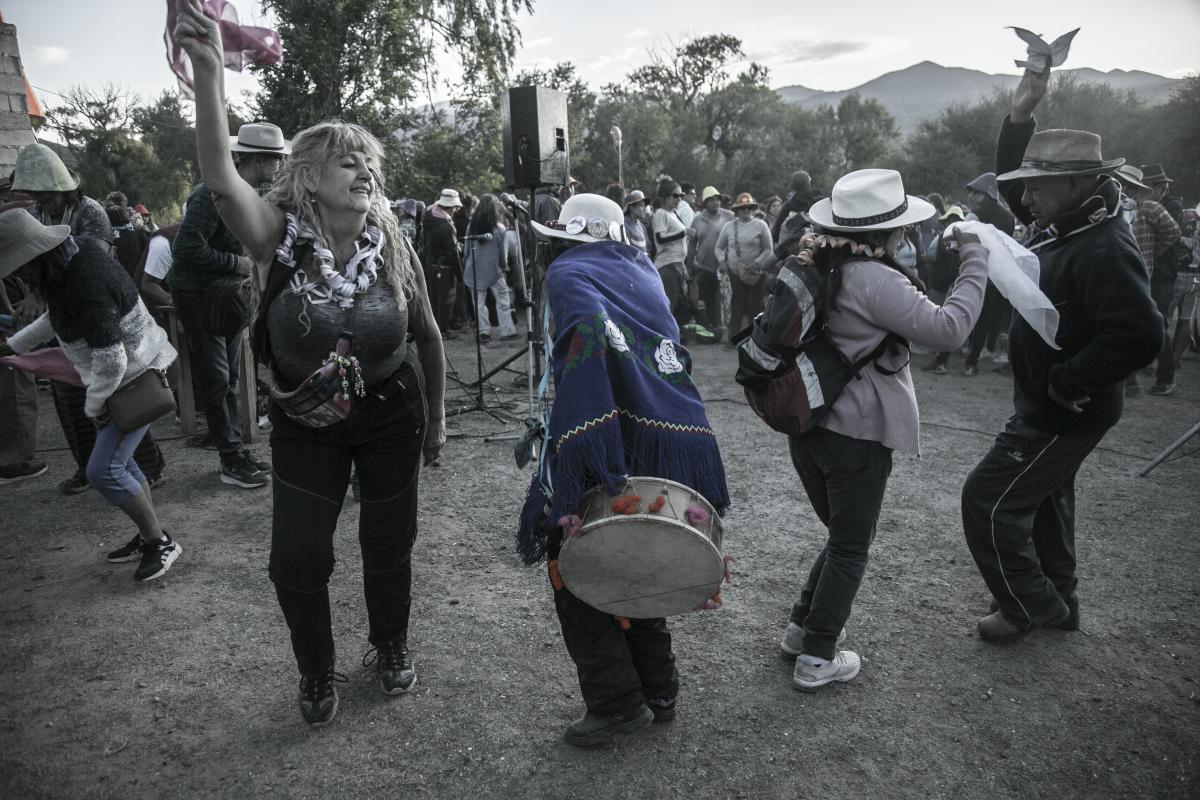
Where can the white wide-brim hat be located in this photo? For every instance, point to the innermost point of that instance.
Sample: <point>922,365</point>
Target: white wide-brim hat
<point>260,137</point>
<point>869,200</point>
<point>449,199</point>
<point>586,218</point>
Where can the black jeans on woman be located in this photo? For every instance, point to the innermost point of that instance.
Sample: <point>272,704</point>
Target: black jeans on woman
<point>845,480</point>
<point>382,439</point>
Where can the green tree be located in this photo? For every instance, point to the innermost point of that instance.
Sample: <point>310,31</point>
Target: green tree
<point>363,60</point>
<point>868,132</point>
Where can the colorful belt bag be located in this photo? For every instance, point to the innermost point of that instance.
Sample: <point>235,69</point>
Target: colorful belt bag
<point>324,398</point>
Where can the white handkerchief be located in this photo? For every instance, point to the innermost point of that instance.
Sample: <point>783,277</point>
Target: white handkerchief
<point>1042,56</point>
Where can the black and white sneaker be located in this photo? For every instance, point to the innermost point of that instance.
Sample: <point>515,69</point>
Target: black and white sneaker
<point>236,471</point>
<point>319,699</point>
<point>130,551</point>
<point>397,675</point>
<point>157,558</point>
<point>261,466</point>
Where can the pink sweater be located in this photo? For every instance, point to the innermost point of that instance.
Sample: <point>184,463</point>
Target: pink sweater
<point>873,300</point>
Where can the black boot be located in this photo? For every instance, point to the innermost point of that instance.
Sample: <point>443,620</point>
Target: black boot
<point>594,729</point>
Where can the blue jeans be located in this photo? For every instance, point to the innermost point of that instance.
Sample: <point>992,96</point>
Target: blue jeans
<point>216,363</point>
<point>111,469</point>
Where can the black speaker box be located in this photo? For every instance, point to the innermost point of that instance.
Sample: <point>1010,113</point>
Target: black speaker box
<point>534,125</point>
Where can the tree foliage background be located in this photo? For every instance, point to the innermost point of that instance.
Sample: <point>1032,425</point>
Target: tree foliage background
<point>687,113</point>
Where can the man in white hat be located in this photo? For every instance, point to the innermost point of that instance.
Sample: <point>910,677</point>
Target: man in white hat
<point>708,225</point>
<point>205,253</point>
<point>442,261</point>
<point>1018,504</point>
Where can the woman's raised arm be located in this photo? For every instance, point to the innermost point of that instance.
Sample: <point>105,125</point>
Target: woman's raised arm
<point>257,224</point>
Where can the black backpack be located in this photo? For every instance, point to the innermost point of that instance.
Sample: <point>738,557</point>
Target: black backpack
<point>789,369</point>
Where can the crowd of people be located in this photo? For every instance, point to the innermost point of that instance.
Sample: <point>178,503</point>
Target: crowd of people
<point>351,296</point>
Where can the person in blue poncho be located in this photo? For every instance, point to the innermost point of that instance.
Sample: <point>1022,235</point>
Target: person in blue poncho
<point>625,405</point>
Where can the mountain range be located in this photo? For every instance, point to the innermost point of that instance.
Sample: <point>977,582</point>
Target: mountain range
<point>922,90</point>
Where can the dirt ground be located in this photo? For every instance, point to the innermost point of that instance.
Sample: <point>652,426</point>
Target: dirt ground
<point>186,687</point>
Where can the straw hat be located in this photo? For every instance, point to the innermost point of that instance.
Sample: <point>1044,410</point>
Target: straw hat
<point>1061,152</point>
<point>586,218</point>
<point>1131,175</point>
<point>23,238</point>
<point>39,169</point>
<point>869,200</point>
<point>260,137</point>
<point>1154,173</point>
<point>636,196</point>
<point>744,200</point>
<point>449,199</point>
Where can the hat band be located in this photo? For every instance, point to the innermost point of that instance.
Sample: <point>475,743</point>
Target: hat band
<point>1060,166</point>
<point>858,222</point>
<point>269,147</point>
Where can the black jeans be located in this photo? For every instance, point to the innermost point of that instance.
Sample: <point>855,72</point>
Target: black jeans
<point>845,480</point>
<point>993,320</point>
<point>216,362</point>
<point>1018,510</point>
<point>709,287</point>
<point>382,439</point>
<point>80,433</point>
<point>1162,290</point>
<point>618,669</point>
<point>676,286</point>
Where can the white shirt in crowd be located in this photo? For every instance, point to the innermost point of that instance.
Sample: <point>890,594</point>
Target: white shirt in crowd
<point>158,257</point>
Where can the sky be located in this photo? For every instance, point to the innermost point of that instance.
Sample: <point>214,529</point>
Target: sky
<point>826,46</point>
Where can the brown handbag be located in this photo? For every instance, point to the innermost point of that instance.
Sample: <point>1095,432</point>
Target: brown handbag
<point>141,401</point>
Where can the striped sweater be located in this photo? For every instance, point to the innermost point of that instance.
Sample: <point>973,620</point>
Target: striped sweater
<point>102,324</point>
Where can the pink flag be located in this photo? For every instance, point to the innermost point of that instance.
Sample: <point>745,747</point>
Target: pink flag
<point>242,43</point>
<point>50,362</point>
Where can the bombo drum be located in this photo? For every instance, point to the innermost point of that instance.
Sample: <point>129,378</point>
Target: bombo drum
<point>643,554</point>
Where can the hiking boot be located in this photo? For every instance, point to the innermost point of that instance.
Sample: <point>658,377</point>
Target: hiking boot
<point>996,627</point>
<point>1160,389</point>
<point>1071,623</point>
<point>971,371</point>
<point>157,558</point>
<point>319,699</point>
<point>808,677</point>
<point>262,466</point>
<point>594,729</point>
<point>793,638</point>
<point>130,551</point>
<point>236,471</point>
<point>397,675</point>
<point>75,484</point>
<point>22,471</point>
<point>663,708</point>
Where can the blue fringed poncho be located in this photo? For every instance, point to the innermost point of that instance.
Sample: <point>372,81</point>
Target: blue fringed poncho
<point>625,403</point>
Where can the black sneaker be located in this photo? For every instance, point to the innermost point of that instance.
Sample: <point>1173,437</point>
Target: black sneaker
<point>75,484</point>
<point>236,471</point>
<point>130,551</point>
<point>157,558</point>
<point>22,471</point>
<point>663,709</point>
<point>594,729</point>
<point>397,675</point>
<point>262,466</point>
<point>1160,389</point>
<point>318,698</point>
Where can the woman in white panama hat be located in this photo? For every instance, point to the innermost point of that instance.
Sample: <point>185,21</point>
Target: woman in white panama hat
<point>331,259</point>
<point>844,463</point>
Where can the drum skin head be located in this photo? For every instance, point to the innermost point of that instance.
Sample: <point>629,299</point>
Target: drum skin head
<point>641,566</point>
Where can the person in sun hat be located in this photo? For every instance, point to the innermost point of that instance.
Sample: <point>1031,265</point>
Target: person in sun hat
<point>205,252</point>
<point>442,262</point>
<point>743,248</point>
<point>671,241</point>
<point>58,198</point>
<point>844,463</point>
<point>1154,176</point>
<point>109,336</point>
<point>708,224</point>
<point>635,226</point>
<point>1018,504</point>
<point>624,405</point>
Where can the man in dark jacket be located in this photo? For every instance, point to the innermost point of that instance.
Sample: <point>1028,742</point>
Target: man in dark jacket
<point>1018,504</point>
<point>205,252</point>
<point>441,261</point>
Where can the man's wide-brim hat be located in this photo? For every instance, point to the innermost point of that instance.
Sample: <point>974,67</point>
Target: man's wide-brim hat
<point>1131,175</point>
<point>869,200</point>
<point>744,200</point>
<point>1154,173</point>
<point>636,196</point>
<point>260,137</point>
<point>449,199</point>
<point>1059,152</point>
<point>23,238</point>
<point>586,218</point>
<point>39,169</point>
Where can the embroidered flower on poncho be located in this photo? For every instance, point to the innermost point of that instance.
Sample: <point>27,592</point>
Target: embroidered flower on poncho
<point>616,339</point>
<point>666,358</point>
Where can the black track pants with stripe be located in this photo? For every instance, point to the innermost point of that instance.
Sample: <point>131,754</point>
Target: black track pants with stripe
<point>1018,508</point>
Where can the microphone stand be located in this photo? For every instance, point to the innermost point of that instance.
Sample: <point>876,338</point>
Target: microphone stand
<point>480,405</point>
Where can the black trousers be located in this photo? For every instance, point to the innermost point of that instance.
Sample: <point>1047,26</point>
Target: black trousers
<point>675,284</point>
<point>80,433</point>
<point>382,439</point>
<point>993,320</point>
<point>216,364</point>
<point>845,480</point>
<point>1018,509</point>
<point>1162,290</point>
<point>709,287</point>
<point>618,669</point>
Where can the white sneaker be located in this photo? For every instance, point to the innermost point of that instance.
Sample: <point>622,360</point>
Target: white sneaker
<point>793,638</point>
<point>844,667</point>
